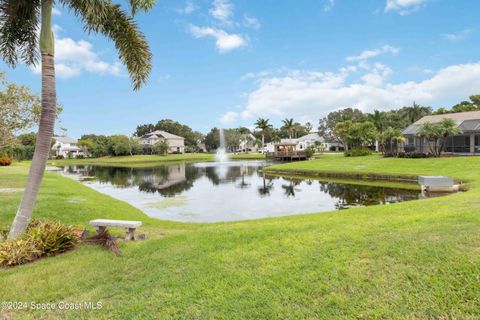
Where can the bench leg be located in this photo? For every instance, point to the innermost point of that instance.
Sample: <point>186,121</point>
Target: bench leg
<point>100,229</point>
<point>130,234</point>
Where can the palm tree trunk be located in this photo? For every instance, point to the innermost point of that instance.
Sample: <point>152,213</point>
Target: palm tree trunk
<point>46,127</point>
<point>263,142</point>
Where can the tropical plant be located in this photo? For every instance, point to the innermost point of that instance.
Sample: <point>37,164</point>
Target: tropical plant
<point>40,239</point>
<point>437,133</point>
<point>19,41</point>
<point>390,139</point>
<point>263,125</point>
<point>288,125</point>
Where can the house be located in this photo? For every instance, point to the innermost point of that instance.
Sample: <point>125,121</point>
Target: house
<point>467,142</point>
<point>176,143</point>
<point>315,140</point>
<point>66,147</point>
<point>247,143</point>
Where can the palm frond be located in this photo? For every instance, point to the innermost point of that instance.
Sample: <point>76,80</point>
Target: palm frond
<point>141,5</point>
<point>109,19</point>
<point>19,20</point>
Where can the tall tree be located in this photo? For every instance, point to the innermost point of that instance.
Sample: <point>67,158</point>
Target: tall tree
<point>288,125</point>
<point>263,125</point>
<point>19,41</point>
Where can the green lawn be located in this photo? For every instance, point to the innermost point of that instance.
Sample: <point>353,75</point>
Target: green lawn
<point>149,160</point>
<point>418,259</point>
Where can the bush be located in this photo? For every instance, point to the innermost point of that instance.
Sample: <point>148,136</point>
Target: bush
<point>59,157</point>
<point>358,153</point>
<point>310,151</point>
<point>407,155</point>
<point>80,156</point>
<point>40,239</point>
<point>5,161</point>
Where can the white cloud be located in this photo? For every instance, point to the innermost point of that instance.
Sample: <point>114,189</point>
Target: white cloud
<point>329,4</point>
<point>223,41</point>
<point>458,36</point>
<point>72,57</point>
<point>228,118</point>
<point>188,9</point>
<point>368,54</point>
<point>251,22</point>
<point>404,7</point>
<point>312,94</point>
<point>222,10</point>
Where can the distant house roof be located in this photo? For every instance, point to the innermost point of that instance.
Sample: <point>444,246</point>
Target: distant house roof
<point>466,121</point>
<point>65,139</point>
<point>459,117</point>
<point>162,134</point>
<point>311,136</point>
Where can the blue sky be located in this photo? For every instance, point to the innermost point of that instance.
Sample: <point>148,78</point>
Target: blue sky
<point>227,62</point>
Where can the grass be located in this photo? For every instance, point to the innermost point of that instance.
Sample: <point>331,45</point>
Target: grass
<point>152,160</point>
<point>418,259</point>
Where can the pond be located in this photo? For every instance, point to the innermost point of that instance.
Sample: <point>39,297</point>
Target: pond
<point>229,191</point>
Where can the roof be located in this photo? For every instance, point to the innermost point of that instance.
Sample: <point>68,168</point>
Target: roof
<point>65,139</point>
<point>466,121</point>
<point>163,134</point>
<point>460,116</point>
<point>311,136</point>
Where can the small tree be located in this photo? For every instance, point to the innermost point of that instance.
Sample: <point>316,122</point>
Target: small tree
<point>437,133</point>
<point>85,145</point>
<point>161,147</point>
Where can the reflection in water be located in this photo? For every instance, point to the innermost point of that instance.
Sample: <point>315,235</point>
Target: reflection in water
<point>227,191</point>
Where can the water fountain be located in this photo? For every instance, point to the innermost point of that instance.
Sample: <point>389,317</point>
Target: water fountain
<point>221,155</point>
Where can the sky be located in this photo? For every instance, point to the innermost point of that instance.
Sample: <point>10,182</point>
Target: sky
<point>225,63</point>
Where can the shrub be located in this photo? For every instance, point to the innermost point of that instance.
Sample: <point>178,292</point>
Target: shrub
<point>358,153</point>
<point>52,237</point>
<point>5,161</point>
<point>59,157</point>
<point>407,155</point>
<point>310,151</point>
<point>40,239</point>
<point>80,156</point>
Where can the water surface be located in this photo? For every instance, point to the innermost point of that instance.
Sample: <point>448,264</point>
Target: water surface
<point>230,191</point>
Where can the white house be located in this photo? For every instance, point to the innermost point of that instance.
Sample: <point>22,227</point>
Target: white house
<point>247,143</point>
<point>175,143</point>
<point>312,139</point>
<point>66,147</point>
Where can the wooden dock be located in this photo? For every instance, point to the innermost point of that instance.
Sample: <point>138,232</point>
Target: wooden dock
<point>287,156</point>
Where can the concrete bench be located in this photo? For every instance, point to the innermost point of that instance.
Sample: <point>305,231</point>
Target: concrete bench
<point>130,226</point>
<point>436,183</point>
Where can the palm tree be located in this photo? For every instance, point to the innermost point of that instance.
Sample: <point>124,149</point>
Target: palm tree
<point>19,41</point>
<point>263,125</point>
<point>289,124</point>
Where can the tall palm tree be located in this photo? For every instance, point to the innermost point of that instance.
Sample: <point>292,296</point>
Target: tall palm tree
<point>19,41</point>
<point>263,124</point>
<point>289,124</point>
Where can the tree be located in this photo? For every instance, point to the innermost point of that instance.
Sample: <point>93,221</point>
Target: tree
<point>85,145</point>
<point>161,147</point>
<point>328,123</point>
<point>390,139</point>
<point>355,135</point>
<point>263,125</point>
<point>20,109</point>
<point>437,133</point>
<point>342,133</point>
<point>144,129</point>
<point>18,41</point>
<point>288,125</point>
<point>212,139</point>
<point>121,145</point>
